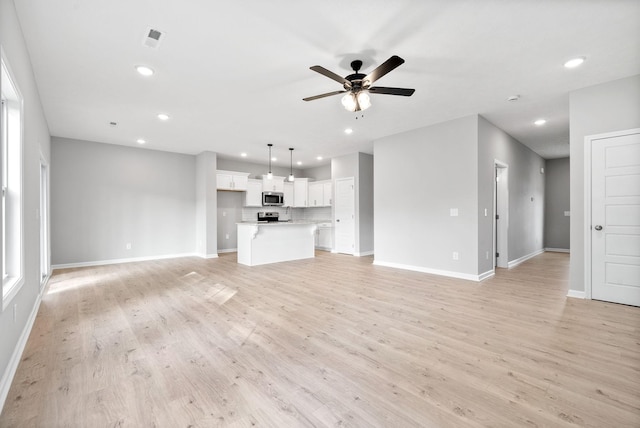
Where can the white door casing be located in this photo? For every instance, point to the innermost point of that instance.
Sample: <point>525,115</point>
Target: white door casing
<point>344,223</point>
<point>612,218</point>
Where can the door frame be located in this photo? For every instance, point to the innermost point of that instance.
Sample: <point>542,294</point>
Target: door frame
<point>355,248</point>
<point>503,231</point>
<point>588,148</point>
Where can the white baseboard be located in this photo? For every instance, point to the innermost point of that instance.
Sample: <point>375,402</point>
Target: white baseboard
<point>129,260</point>
<point>487,274</point>
<point>364,253</point>
<point>557,250</point>
<point>228,250</point>
<point>451,274</point>
<point>577,294</point>
<point>522,259</point>
<point>12,367</point>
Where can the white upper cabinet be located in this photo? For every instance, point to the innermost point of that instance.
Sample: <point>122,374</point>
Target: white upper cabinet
<point>232,180</point>
<point>300,192</point>
<point>315,194</point>
<point>327,188</point>
<point>320,194</point>
<point>275,184</point>
<point>253,197</point>
<point>288,194</point>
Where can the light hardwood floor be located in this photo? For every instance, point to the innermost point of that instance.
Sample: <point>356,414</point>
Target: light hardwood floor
<point>330,341</point>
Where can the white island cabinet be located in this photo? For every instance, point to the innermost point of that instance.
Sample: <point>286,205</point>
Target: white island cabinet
<point>262,243</point>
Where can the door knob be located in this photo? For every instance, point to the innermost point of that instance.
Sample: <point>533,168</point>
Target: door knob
<point>598,227</point>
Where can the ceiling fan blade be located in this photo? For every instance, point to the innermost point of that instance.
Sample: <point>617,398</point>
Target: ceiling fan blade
<point>331,75</point>
<point>393,62</point>
<point>392,91</point>
<point>328,94</point>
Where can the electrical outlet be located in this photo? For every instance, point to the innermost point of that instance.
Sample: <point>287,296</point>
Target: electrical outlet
<point>453,212</point>
<point>128,246</point>
<point>455,255</point>
<point>486,256</point>
<point>226,236</point>
<point>224,213</point>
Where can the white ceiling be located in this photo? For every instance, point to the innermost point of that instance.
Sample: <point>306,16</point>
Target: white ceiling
<point>232,74</point>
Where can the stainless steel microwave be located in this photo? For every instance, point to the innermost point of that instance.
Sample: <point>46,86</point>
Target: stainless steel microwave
<point>272,199</point>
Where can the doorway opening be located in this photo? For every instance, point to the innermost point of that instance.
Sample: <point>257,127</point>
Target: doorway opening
<point>501,215</point>
<point>44,223</point>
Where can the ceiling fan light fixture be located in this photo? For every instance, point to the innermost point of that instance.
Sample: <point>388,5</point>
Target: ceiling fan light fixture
<point>363,100</point>
<point>349,102</point>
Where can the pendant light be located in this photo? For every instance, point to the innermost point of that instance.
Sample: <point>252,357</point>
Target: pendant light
<point>270,174</point>
<point>291,173</point>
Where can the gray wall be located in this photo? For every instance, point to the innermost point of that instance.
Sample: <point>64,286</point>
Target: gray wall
<point>556,193</point>
<point>608,107</point>
<point>36,147</point>
<point>229,213</point>
<point>419,176</point>
<point>104,196</point>
<point>526,194</point>
<point>206,204</point>
<point>365,203</point>
<point>257,170</point>
<point>318,173</point>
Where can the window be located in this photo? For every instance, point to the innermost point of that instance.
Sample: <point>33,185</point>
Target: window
<point>11,168</point>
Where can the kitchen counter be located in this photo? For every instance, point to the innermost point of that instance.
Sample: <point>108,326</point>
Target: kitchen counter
<point>262,243</point>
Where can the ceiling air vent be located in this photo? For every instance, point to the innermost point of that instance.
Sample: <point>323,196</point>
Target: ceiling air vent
<point>152,38</point>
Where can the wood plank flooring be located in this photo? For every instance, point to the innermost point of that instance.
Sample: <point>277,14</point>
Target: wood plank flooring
<point>324,342</point>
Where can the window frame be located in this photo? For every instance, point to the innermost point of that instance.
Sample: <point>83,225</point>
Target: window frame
<point>12,182</point>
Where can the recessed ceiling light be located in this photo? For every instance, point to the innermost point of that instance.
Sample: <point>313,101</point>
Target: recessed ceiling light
<point>140,141</point>
<point>144,70</point>
<point>299,163</point>
<point>244,155</point>
<point>273,159</point>
<point>319,158</point>
<point>540,122</point>
<point>574,62</point>
<point>348,131</point>
<point>163,116</point>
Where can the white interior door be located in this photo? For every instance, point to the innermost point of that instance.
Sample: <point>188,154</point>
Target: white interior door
<point>344,224</point>
<point>615,219</point>
<point>501,217</point>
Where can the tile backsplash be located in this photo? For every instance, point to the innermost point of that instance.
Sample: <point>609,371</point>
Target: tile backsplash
<point>287,213</point>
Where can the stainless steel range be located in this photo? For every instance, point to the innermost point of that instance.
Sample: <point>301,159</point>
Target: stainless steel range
<point>268,216</point>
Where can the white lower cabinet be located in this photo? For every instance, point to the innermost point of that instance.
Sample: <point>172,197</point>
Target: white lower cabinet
<point>324,237</point>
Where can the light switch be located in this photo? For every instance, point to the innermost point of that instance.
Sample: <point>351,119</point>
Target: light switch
<point>453,212</point>
<point>567,213</point>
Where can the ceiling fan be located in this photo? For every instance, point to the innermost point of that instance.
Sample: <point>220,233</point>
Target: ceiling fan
<point>358,86</point>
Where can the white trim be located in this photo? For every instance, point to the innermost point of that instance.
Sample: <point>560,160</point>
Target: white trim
<point>487,274</point>
<point>228,250</point>
<point>364,253</point>
<point>523,259</point>
<point>129,260</point>
<point>558,250</point>
<point>451,274</point>
<point>12,367</point>
<point>576,294</point>
<point>588,145</point>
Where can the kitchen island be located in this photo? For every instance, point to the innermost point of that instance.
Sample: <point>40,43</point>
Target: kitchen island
<point>261,243</point>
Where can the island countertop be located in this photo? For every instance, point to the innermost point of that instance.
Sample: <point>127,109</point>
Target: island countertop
<point>271,242</point>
